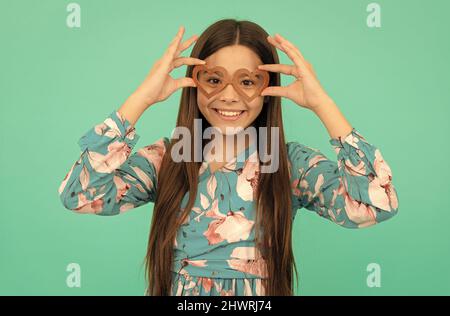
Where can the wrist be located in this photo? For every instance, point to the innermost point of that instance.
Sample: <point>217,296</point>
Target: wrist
<point>324,104</point>
<point>140,100</point>
<point>132,109</point>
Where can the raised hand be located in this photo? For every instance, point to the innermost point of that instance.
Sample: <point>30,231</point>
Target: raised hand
<point>306,90</point>
<point>159,85</point>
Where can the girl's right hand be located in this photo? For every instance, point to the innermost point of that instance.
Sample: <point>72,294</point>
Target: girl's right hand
<point>159,85</point>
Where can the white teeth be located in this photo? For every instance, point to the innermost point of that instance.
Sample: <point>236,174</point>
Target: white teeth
<point>229,113</point>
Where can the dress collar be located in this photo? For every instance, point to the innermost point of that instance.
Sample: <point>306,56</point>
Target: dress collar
<point>235,164</point>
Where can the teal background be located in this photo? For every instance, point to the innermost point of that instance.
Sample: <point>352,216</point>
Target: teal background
<point>56,82</point>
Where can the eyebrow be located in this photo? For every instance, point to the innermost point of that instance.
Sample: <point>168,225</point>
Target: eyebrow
<point>221,75</point>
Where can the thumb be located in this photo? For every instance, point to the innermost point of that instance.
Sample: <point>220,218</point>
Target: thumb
<point>275,91</point>
<point>185,82</point>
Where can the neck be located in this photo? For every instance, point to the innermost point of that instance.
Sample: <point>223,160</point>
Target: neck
<point>232,145</point>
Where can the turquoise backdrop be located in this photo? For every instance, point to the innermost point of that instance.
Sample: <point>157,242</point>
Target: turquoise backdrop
<point>56,82</point>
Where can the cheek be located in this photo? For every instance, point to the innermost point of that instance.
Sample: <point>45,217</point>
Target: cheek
<point>202,104</point>
<point>255,107</point>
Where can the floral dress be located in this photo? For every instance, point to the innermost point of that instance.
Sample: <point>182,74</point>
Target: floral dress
<point>214,251</point>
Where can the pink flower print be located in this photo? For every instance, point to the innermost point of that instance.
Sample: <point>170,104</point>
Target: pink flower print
<point>211,235</point>
<point>130,133</point>
<point>154,153</point>
<point>218,286</point>
<point>231,227</point>
<point>358,170</point>
<point>87,206</point>
<point>214,212</point>
<point>126,207</point>
<point>304,185</point>
<point>206,283</point>
<point>230,166</point>
<point>247,180</point>
<point>190,284</point>
<point>100,129</point>
<point>211,186</point>
<point>352,140</point>
<point>118,153</point>
<point>179,288</point>
<point>223,292</point>
<point>259,288</point>
<point>67,177</point>
<point>360,213</point>
<point>198,211</point>
<point>111,132</point>
<point>295,184</point>
<point>295,190</point>
<point>230,292</point>
<point>143,177</point>
<point>84,178</point>
<point>204,202</point>
<point>203,168</point>
<point>122,188</point>
<point>92,191</point>
<point>317,158</point>
<point>333,217</point>
<point>121,118</point>
<point>381,190</point>
<point>248,260</point>
<point>247,288</point>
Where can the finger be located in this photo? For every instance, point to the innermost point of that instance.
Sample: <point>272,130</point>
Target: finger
<point>280,45</point>
<point>184,82</point>
<point>289,44</point>
<point>295,58</point>
<point>311,68</point>
<point>272,41</point>
<point>170,52</point>
<point>186,44</point>
<point>275,91</point>
<point>178,62</point>
<point>284,42</point>
<point>282,68</point>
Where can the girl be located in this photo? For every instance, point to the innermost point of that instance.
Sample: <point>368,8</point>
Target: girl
<point>221,226</point>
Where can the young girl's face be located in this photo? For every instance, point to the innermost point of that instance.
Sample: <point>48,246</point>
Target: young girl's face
<point>228,108</point>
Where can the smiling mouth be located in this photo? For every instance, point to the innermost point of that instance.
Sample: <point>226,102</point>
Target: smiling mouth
<point>229,115</point>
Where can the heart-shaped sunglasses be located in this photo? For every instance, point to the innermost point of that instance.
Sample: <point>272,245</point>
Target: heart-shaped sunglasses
<point>248,84</point>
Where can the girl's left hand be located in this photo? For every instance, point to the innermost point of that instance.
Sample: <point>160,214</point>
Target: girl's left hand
<point>306,90</point>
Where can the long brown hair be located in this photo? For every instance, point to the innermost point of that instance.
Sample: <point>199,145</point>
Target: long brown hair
<point>175,179</point>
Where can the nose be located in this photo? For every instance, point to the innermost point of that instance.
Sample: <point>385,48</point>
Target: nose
<point>229,94</point>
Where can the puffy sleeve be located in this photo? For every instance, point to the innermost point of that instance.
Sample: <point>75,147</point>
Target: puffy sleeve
<point>108,179</point>
<point>354,192</point>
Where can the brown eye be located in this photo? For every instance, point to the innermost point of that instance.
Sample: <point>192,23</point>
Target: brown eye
<point>214,82</point>
<point>248,82</point>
